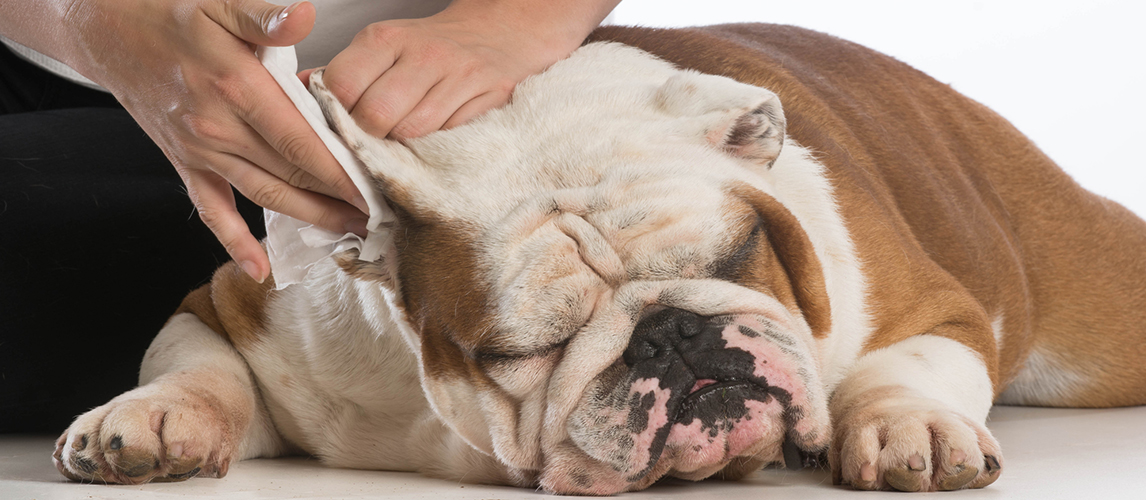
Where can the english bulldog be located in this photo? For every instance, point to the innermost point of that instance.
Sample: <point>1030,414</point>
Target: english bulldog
<point>683,253</point>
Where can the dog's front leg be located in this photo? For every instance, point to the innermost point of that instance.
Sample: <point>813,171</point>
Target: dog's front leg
<point>911,417</point>
<point>195,411</point>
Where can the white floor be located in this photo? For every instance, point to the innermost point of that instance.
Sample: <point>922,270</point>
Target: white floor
<point>1050,454</point>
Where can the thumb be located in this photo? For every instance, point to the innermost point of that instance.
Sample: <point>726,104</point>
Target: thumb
<point>262,23</point>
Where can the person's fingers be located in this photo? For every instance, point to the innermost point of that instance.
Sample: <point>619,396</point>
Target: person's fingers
<point>445,99</point>
<point>478,105</point>
<point>215,203</point>
<point>263,23</point>
<point>249,145</point>
<point>270,113</point>
<point>271,192</point>
<point>354,69</point>
<point>304,76</point>
<point>393,95</point>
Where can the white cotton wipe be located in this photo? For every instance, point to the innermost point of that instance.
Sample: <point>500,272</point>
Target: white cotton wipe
<point>295,246</point>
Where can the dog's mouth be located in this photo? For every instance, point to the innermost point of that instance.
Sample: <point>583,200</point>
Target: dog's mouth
<point>690,394</point>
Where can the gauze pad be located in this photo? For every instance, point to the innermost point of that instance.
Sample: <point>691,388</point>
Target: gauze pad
<point>295,246</point>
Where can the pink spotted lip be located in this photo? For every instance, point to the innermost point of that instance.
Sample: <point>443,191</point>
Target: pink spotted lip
<point>701,384</point>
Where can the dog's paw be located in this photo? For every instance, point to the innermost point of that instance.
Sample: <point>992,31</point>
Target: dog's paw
<point>158,432</point>
<point>892,441</point>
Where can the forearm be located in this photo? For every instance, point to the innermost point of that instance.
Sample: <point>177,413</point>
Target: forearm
<point>558,23</point>
<point>42,25</point>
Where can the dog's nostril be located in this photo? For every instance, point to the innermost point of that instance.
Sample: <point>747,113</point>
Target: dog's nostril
<point>640,351</point>
<point>659,332</point>
<point>690,324</point>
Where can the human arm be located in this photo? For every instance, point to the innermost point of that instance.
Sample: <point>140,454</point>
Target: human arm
<point>406,78</point>
<point>186,71</point>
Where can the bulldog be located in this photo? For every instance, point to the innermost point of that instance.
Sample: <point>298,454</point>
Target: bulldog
<point>646,266</point>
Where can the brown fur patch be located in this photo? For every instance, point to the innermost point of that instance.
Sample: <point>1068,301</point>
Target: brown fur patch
<point>783,262</point>
<point>957,217</point>
<point>444,296</point>
<point>232,304</point>
<point>241,303</point>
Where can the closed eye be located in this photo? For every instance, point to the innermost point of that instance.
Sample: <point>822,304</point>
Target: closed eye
<point>730,267</point>
<point>491,355</point>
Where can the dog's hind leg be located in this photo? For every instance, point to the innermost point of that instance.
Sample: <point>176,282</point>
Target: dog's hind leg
<point>196,410</point>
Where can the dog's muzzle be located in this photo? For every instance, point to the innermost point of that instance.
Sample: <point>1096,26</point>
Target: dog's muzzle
<point>691,393</point>
<point>708,381</point>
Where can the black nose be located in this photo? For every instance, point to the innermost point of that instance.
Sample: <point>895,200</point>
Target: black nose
<point>661,331</point>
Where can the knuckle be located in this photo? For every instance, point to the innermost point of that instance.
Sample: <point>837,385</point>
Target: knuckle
<point>381,33</point>
<point>504,87</point>
<point>295,148</point>
<point>213,219</point>
<point>342,89</point>
<point>270,195</point>
<point>407,130</point>
<point>204,129</point>
<point>376,116</point>
<point>435,53</point>
<point>472,69</point>
<point>299,178</point>
<point>230,88</point>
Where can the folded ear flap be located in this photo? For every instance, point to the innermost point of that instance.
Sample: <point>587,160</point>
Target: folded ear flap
<point>796,253</point>
<point>403,178</point>
<point>743,120</point>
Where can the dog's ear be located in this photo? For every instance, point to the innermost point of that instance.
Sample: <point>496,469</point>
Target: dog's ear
<point>796,254</point>
<point>743,120</point>
<point>406,181</point>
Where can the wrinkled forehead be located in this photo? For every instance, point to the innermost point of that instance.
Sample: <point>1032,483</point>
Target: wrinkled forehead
<point>583,183</point>
<point>556,259</point>
<point>597,120</point>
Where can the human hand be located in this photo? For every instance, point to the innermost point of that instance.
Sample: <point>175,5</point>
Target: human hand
<point>406,78</point>
<point>186,71</point>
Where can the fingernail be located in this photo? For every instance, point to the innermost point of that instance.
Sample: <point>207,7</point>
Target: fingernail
<point>252,270</point>
<point>360,203</point>
<point>287,11</point>
<point>357,226</point>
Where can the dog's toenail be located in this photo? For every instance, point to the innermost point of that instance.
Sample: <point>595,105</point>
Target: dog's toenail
<point>959,479</point>
<point>903,479</point>
<point>992,464</point>
<point>186,475</point>
<point>116,443</point>
<point>138,470</point>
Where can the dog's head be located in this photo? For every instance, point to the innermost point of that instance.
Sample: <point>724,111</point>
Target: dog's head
<point>598,279</point>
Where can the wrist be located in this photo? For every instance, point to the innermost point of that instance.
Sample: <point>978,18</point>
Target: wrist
<point>556,27</point>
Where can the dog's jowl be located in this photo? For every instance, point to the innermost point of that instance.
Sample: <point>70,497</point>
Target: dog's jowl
<point>684,253</point>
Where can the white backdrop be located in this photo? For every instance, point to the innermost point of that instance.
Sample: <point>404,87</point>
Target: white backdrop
<point>1070,74</point>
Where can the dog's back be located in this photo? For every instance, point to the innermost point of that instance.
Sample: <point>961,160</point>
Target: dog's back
<point>1061,272</point>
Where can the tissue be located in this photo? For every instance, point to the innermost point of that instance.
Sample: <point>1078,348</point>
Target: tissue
<point>295,246</point>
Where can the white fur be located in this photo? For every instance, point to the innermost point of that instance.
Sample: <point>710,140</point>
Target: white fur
<point>997,329</point>
<point>185,343</point>
<point>1043,380</point>
<point>797,180</point>
<point>597,193</point>
<point>928,366</point>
